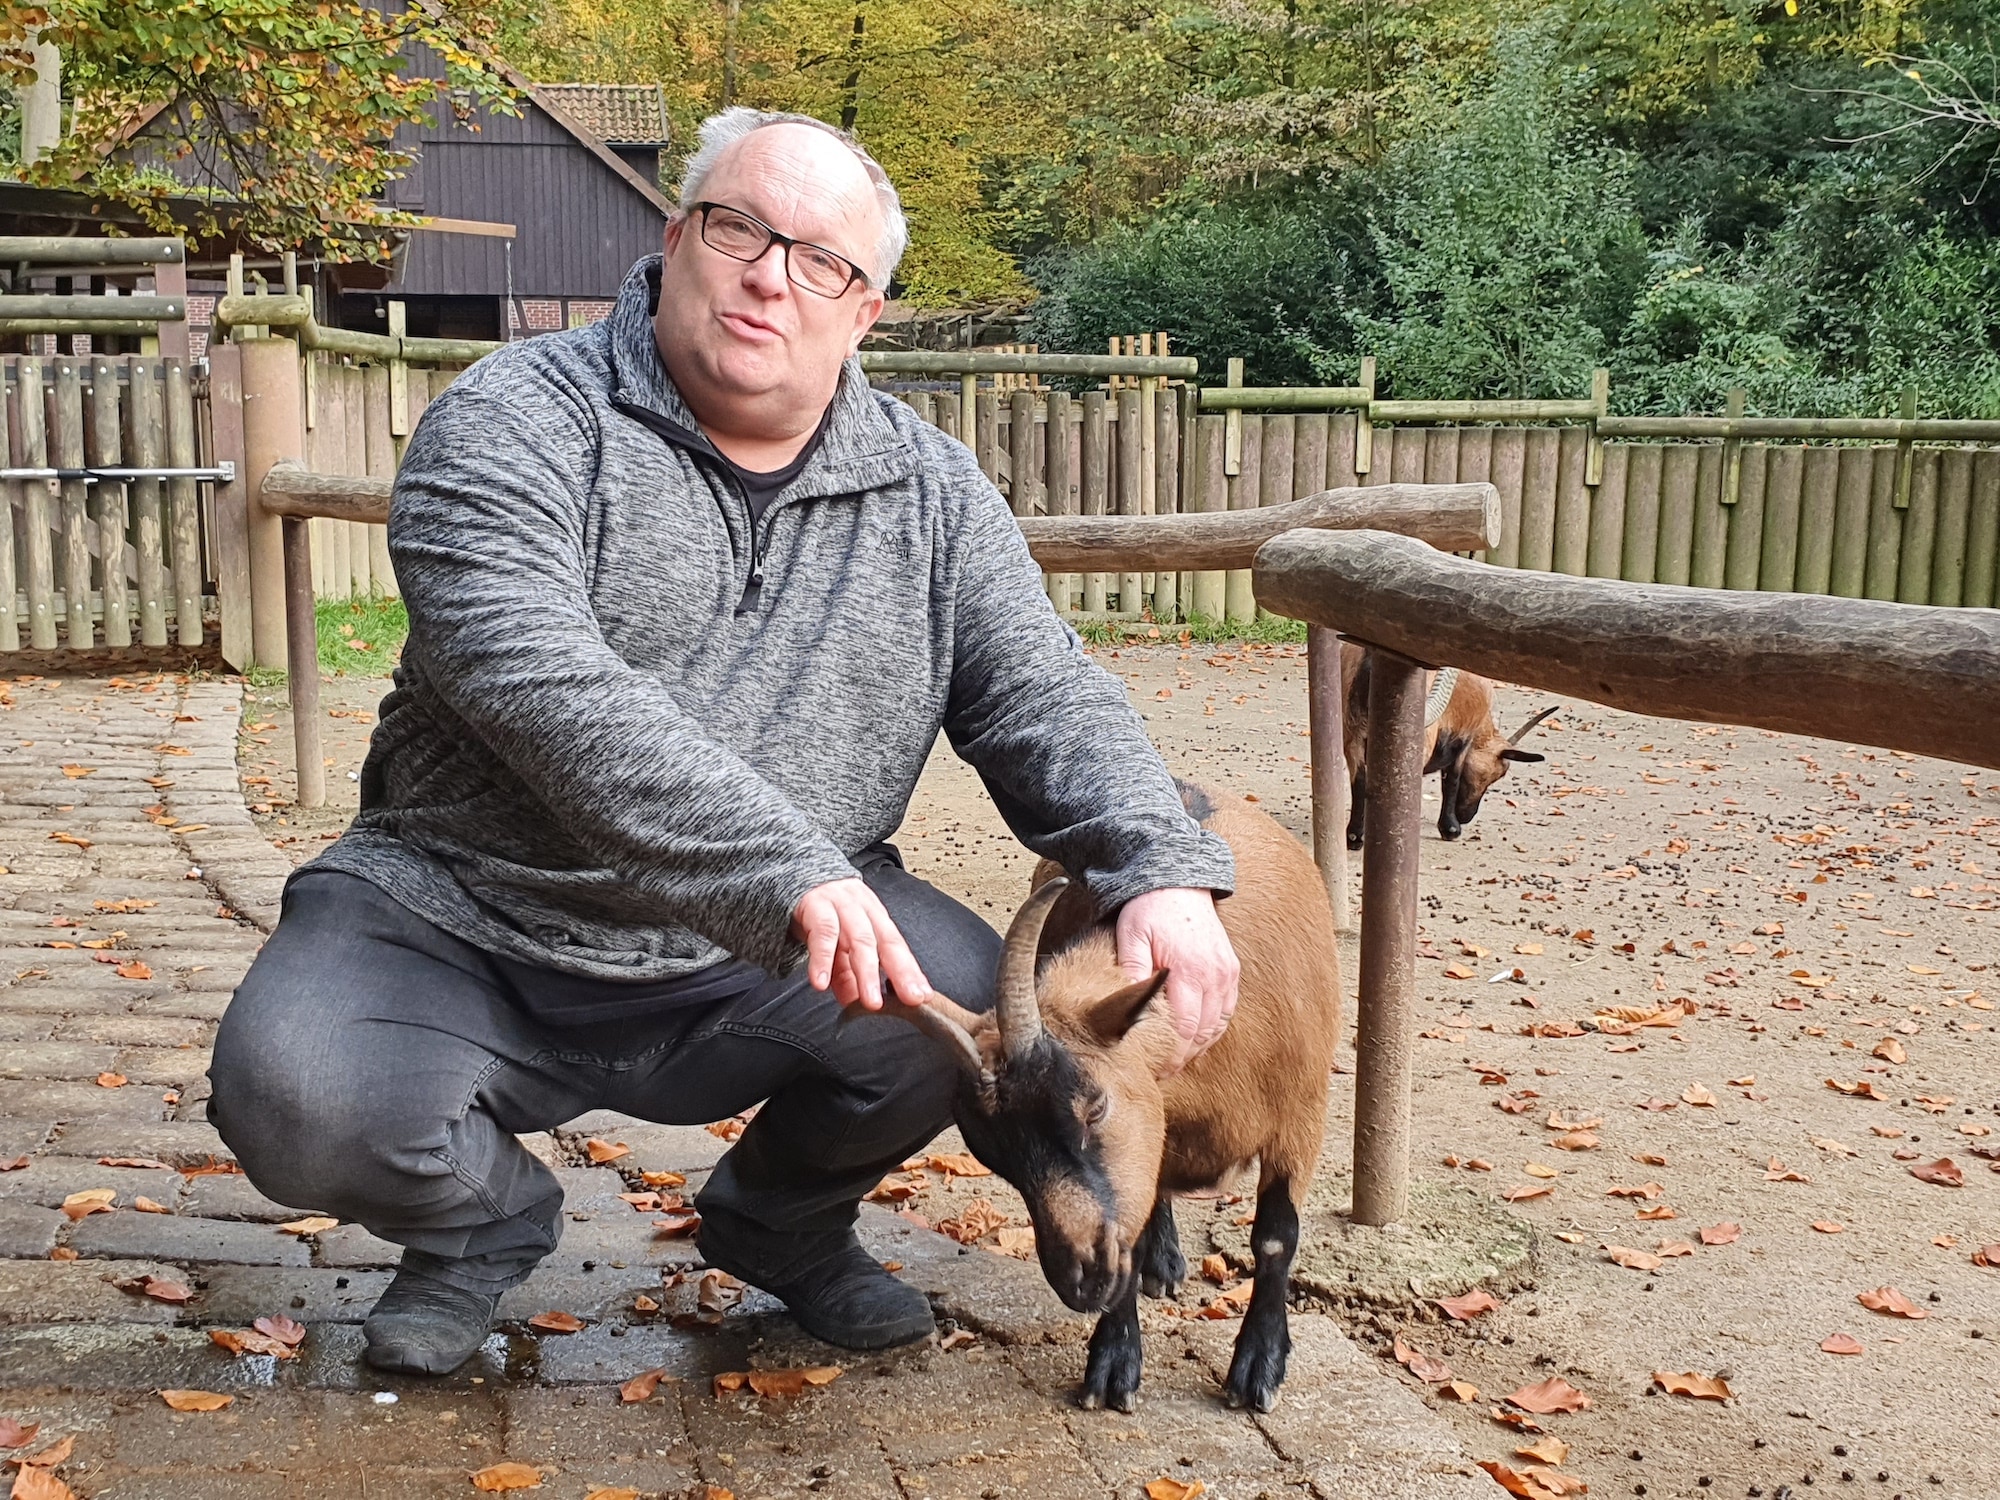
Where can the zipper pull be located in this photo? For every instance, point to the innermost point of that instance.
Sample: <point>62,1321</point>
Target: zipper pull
<point>753,587</point>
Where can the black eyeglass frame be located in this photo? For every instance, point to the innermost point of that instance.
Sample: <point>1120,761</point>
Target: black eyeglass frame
<point>854,272</point>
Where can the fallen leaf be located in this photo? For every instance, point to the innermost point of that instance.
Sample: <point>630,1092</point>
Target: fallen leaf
<point>317,1224</point>
<point>1425,1367</point>
<point>1459,1390</point>
<point>1216,1269</point>
<point>90,1201</point>
<point>673,1226</point>
<point>957,1164</point>
<point>69,838</point>
<point>14,1164</point>
<point>1630,1259</point>
<point>241,1341</point>
<point>1840,1343</point>
<point>1525,1192</point>
<point>641,1386</point>
<point>281,1328</point>
<point>1890,1050</point>
<point>1647,1190</point>
<point>1552,1395</point>
<point>1672,1248</point>
<point>159,1288</point>
<point>1536,1169</point>
<point>1944,1172</point>
<point>1658,1211</point>
<point>1864,1089</point>
<point>615,1492</point>
<point>1833,1147</point>
<point>1702,1387</point>
<point>663,1179</point>
<point>1549,1449</point>
<point>1165,1488</point>
<point>1513,1483</point>
<point>1777,1171</point>
<point>556,1322</point>
<point>787,1382</point>
<point>1650,1159</point>
<point>1457,971</point>
<point>40,1484</point>
<point>1576,1140</point>
<point>1556,1483</point>
<point>644,1304</point>
<point>601,1152</point>
<point>134,970</point>
<point>133,1161</point>
<point>1987,1255</point>
<point>1829,1226</point>
<point>1469,1305</point>
<point>1697,1096</point>
<point>1747,1081</point>
<point>14,1435</point>
<point>112,1080</point>
<point>509,1476</point>
<point>978,1219</point>
<point>1722,1234</point>
<point>49,1457</point>
<point>1886,1299</point>
<point>196,1400</point>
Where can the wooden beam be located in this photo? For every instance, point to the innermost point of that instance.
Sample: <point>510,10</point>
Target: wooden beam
<point>1904,677</point>
<point>291,489</point>
<point>1457,517</point>
<point>491,229</point>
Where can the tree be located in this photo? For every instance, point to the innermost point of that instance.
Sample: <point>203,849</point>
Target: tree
<point>273,117</point>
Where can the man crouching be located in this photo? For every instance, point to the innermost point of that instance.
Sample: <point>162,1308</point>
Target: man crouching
<point>689,604</point>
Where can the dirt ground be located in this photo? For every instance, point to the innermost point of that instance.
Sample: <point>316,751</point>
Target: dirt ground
<point>1825,913</point>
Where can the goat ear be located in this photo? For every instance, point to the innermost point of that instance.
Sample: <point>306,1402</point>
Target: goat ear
<point>1118,1012</point>
<point>1525,756</point>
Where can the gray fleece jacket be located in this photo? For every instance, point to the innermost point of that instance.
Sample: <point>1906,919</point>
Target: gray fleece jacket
<point>628,734</point>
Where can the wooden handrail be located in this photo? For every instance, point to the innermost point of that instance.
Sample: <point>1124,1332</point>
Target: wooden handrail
<point>291,489</point>
<point>1901,676</point>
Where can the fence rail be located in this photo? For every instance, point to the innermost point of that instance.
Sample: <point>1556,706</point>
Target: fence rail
<point>1899,676</point>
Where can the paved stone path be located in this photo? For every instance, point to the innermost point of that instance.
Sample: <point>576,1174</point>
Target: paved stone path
<point>135,892</point>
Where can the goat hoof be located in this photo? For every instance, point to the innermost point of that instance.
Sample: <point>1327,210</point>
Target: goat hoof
<point>1111,1379</point>
<point>1254,1378</point>
<point>1449,834</point>
<point>1354,841</point>
<point>1163,1269</point>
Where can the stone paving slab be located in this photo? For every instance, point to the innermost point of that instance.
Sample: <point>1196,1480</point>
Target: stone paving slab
<point>989,1417</point>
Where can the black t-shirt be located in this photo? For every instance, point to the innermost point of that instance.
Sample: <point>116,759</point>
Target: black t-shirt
<point>761,489</point>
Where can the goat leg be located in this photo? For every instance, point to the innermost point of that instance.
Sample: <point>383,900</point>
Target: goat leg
<point>1448,778</point>
<point>1157,1258</point>
<point>1258,1368</point>
<point>1357,807</point>
<point>1117,1356</point>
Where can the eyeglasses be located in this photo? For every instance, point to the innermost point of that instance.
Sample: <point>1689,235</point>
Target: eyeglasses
<point>742,237</point>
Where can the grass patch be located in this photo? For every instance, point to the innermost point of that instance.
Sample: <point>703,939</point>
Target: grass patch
<point>1265,630</point>
<point>361,637</point>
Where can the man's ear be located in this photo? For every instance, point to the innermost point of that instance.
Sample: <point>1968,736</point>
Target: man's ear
<point>872,303</point>
<point>1118,1012</point>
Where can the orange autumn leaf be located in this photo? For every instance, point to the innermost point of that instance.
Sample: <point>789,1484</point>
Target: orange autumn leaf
<point>196,1400</point>
<point>1840,1343</point>
<point>134,969</point>
<point>556,1322</point>
<point>1576,1140</point>
<point>601,1152</point>
<point>40,1484</point>
<point>957,1164</point>
<point>1427,1368</point>
<point>1552,1395</point>
<point>1514,1483</point>
<point>663,1179</point>
<point>281,1328</point>
<point>1469,1305</point>
<point>112,1080</point>
<point>673,1226</point>
<point>316,1224</point>
<point>1548,1449</point>
<point>78,1206</point>
<point>1630,1259</point>
<point>1886,1299</point>
<point>508,1476</point>
<point>1944,1172</point>
<point>1702,1387</point>
<point>1459,1390</point>
<point>1165,1488</point>
<point>1722,1234</point>
<point>786,1382</point>
<point>49,1457</point>
<point>14,1435</point>
<point>641,1386</point>
<point>613,1492</point>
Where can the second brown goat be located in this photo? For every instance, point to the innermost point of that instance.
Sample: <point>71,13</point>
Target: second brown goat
<point>1063,1097</point>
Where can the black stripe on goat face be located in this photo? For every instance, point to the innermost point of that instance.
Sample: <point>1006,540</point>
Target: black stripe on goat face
<point>1040,1136</point>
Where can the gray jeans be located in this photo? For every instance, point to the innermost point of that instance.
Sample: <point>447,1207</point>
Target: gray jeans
<point>377,1068</point>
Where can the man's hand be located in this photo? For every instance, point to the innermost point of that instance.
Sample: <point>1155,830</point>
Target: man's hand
<point>1178,930</point>
<point>851,945</point>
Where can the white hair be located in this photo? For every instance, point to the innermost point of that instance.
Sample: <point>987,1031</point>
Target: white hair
<point>721,131</point>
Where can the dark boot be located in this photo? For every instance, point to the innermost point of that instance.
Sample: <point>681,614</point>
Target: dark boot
<point>836,1290</point>
<point>423,1326</point>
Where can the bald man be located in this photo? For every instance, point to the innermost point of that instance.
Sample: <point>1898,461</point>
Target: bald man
<point>689,605</point>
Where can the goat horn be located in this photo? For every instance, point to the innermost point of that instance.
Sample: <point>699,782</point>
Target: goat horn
<point>1019,1015</point>
<point>946,1021</point>
<point>1522,733</point>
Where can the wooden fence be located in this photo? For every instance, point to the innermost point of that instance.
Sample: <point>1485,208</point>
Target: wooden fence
<point>105,542</point>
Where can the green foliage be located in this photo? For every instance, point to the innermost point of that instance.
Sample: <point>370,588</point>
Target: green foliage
<point>277,113</point>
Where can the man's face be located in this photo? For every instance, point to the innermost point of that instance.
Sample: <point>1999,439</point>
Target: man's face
<point>736,331</point>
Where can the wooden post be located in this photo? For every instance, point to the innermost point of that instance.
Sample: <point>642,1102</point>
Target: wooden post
<point>987,432</point>
<point>1818,506</point>
<point>66,451</point>
<point>1386,1022</point>
<point>1570,544</point>
<point>31,415</point>
<point>1239,591</point>
<point>1211,589</point>
<point>379,401</point>
<point>1920,517</point>
<point>1094,473</point>
<point>1364,427</point>
<point>1746,519</point>
<point>145,429</point>
<point>1600,397</point>
<point>1907,410</point>
<point>1021,452</point>
<point>10,624</point>
<point>1325,713</point>
<point>1607,513</point>
<point>1953,518</point>
<point>183,523</point>
<point>1732,450</point>
<point>968,409</point>
<point>108,501</point>
<point>1130,488</point>
<point>1708,540</point>
<point>399,379</point>
<point>1982,531</point>
<point>1680,470</point>
<point>271,432</point>
<point>170,280</point>
<point>1060,502</point>
<point>1165,472</point>
<point>302,661</point>
<point>232,502</point>
<point>1232,441</point>
<point>1149,456</point>
<point>355,389</point>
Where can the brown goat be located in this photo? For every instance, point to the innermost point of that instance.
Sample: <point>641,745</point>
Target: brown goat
<point>1064,1097</point>
<point>1463,745</point>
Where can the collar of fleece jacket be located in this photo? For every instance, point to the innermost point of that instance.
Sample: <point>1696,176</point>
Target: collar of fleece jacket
<point>860,450</point>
